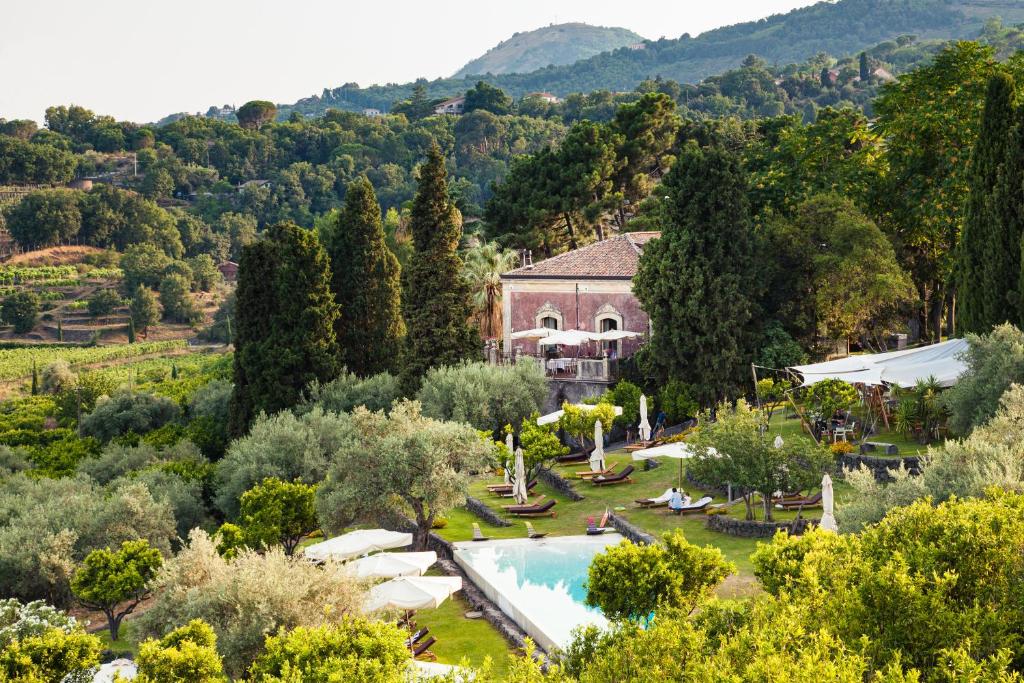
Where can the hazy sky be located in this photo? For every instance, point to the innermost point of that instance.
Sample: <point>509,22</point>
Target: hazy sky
<point>143,60</point>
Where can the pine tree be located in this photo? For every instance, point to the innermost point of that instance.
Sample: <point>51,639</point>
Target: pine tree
<point>435,297</point>
<point>285,313</point>
<point>366,281</point>
<point>865,67</point>
<point>696,281</point>
<point>981,241</point>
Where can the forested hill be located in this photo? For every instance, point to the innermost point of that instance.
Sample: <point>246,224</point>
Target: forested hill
<point>557,45</point>
<point>839,28</point>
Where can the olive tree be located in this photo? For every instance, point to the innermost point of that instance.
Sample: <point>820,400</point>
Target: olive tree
<point>402,462</point>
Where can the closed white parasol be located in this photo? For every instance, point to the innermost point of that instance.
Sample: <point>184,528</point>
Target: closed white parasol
<point>645,426</point>
<point>356,543</point>
<point>510,445</point>
<point>597,457</point>
<point>519,490</point>
<point>828,517</point>
<point>390,565</point>
<point>412,592</point>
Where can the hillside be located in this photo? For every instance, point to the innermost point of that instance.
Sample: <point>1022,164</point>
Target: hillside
<point>557,45</point>
<point>840,28</point>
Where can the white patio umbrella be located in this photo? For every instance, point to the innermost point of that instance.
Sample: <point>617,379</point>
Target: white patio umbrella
<point>678,450</point>
<point>567,338</point>
<point>615,335</point>
<point>552,418</point>
<point>828,517</point>
<point>412,592</point>
<point>597,457</point>
<point>535,333</point>
<point>509,444</point>
<point>356,543</point>
<point>519,490</point>
<point>390,565</point>
<point>645,426</point>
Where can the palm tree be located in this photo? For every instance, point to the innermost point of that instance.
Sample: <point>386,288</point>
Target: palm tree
<point>484,265</point>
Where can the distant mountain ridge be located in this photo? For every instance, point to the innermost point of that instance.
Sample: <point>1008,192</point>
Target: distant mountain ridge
<point>557,44</point>
<point>838,28</point>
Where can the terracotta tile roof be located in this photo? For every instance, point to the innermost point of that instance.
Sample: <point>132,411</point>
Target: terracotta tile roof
<point>615,258</point>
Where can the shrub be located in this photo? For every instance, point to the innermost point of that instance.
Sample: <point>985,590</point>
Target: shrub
<point>103,302</point>
<point>483,395</point>
<point>676,400</point>
<point>841,448</point>
<point>177,301</point>
<point>21,310</point>
<point>126,412</point>
<point>347,391</point>
<point>248,597</point>
<point>994,362</point>
<point>627,395</point>
<point>188,653</point>
<point>57,377</point>
<point>205,275</point>
<point>40,643</point>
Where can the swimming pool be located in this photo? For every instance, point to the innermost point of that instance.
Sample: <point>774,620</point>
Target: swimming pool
<point>539,584</point>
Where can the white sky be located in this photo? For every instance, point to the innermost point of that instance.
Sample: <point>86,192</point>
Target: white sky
<point>142,60</point>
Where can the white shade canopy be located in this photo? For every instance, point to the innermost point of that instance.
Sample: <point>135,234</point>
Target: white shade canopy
<point>645,425</point>
<point>568,338</point>
<point>828,516</point>
<point>615,335</point>
<point>390,565</point>
<point>519,490</point>
<point>412,592</point>
<point>356,543</point>
<point>679,450</point>
<point>535,333</point>
<point>552,418</point>
<point>597,457</point>
<point>943,361</point>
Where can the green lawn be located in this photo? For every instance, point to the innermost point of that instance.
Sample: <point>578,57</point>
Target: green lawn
<point>464,640</point>
<point>785,423</point>
<point>127,641</point>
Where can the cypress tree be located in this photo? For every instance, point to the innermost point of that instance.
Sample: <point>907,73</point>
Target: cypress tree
<point>131,331</point>
<point>174,371</point>
<point>366,281</point>
<point>35,378</point>
<point>865,68</point>
<point>436,297</point>
<point>60,329</point>
<point>696,281</point>
<point>284,334</point>
<point>981,242</point>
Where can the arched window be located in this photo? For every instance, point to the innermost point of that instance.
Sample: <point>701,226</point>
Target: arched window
<point>607,319</point>
<point>549,317</point>
<point>549,322</point>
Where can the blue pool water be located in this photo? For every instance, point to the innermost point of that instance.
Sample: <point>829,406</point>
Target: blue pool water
<point>540,584</point>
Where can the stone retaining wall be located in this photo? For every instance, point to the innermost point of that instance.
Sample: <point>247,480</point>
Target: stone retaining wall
<point>754,529</point>
<point>880,467</point>
<point>480,509</point>
<point>559,483</point>
<point>630,531</point>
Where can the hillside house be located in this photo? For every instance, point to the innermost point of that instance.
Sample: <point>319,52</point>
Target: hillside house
<point>372,113</point>
<point>546,96</point>
<point>588,289</point>
<point>454,106</point>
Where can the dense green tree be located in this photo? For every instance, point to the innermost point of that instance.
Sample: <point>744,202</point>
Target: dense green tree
<point>144,309</point>
<point>143,264</point>
<point>485,96</point>
<point>277,512</point>
<point>864,66</point>
<point>435,299</point>
<point>128,412</point>
<point>21,310</point>
<point>176,300</point>
<point>366,281</point>
<point>103,302</point>
<point>284,336</point>
<point>696,281</point>
<point>45,218</point>
<point>987,271</point>
<point>116,581</point>
<point>255,114</point>
<point>648,130</point>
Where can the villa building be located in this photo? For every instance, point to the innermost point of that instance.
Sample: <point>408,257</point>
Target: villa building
<point>454,106</point>
<point>588,289</point>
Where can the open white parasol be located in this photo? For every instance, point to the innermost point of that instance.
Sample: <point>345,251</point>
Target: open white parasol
<point>356,543</point>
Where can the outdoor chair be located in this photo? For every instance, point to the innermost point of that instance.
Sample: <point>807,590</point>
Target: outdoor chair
<point>533,533</point>
<point>535,510</point>
<point>597,530</point>
<point>477,534</point>
<point>620,478</point>
<point>655,502</point>
<point>699,506</point>
<point>809,502</point>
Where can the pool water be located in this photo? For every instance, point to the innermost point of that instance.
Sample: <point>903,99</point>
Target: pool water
<point>539,584</point>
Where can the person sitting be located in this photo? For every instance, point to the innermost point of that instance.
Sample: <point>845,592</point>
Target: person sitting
<point>676,501</point>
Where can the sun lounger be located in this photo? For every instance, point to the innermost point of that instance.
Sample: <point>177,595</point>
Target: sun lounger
<point>535,510</point>
<point>477,534</point>
<point>812,501</point>
<point>699,506</point>
<point>590,474</point>
<point>533,533</point>
<point>536,501</point>
<point>421,649</point>
<point>597,530</point>
<point>578,456</point>
<point>412,640</point>
<point>506,489</point>
<point>655,502</point>
<point>619,478</point>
